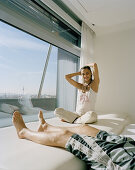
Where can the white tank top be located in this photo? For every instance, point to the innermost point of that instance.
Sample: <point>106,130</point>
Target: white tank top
<point>85,101</point>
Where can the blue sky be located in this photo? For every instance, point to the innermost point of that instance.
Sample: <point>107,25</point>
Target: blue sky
<point>22,59</point>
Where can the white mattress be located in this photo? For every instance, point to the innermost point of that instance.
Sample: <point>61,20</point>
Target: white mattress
<point>20,154</point>
<point>129,131</point>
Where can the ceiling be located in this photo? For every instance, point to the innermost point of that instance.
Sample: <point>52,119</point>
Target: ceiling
<point>104,16</point>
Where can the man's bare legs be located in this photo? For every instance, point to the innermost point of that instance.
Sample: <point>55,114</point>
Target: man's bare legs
<point>57,138</point>
<point>48,134</point>
<point>81,129</point>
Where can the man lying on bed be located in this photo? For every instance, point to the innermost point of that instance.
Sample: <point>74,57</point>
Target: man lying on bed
<point>99,149</point>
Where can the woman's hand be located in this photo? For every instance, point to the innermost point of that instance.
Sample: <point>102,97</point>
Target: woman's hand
<point>91,64</point>
<point>79,73</point>
<point>72,75</point>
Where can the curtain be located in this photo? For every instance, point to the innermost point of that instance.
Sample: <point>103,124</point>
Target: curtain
<point>67,63</point>
<point>87,45</point>
<point>66,93</point>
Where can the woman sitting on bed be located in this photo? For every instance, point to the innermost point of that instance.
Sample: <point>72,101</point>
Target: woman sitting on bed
<point>99,149</point>
<point>86,96</point>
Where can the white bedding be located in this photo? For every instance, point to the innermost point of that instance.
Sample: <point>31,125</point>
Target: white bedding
<point>111,122</point>
<point>22,154</point>
<point>129,131</point>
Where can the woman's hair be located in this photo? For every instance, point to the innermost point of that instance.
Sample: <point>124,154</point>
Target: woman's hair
<point>88,67</point>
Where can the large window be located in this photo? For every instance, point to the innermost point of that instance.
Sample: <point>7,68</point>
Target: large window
<point>37,48</point>
<point>36,13</point>
<point>24,62</point>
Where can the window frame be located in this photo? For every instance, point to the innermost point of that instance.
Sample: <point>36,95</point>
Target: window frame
<point>24,23</point>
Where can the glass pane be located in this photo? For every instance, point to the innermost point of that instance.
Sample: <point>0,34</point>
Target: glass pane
<point>22,59</point>
<point>47,99</point>
<point>66,93</point>
<point>41,14</point>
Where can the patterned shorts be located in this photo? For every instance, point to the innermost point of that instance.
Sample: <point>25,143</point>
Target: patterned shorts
<point>104,152</point>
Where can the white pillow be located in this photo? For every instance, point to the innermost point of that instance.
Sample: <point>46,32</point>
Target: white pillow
<point>8,108</point>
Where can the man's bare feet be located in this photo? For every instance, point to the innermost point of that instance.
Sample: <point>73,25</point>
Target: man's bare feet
<point>43,126</point>
<point>41,118</point>
<point>42,122</point>
<point>18,123</point>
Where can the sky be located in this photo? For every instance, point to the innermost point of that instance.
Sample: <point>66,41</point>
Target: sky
<point>22,59</point>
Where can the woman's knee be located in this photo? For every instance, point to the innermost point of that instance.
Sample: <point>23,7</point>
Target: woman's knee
<point>89,117</point>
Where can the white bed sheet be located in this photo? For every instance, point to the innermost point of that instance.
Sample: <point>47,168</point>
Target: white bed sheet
<point>110,122</point>
<point>22,154</point>
<point>129,131</point>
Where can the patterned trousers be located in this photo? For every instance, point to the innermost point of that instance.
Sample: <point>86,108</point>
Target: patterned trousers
<point>104,152</point>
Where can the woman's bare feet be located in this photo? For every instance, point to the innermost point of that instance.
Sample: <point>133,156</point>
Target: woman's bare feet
<point>18,123</point>
<point>63,120</point>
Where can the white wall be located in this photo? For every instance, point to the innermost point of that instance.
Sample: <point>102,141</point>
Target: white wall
<point>115,56</point>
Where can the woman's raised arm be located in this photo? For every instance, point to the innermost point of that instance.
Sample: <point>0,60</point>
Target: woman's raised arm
<point>68,77</point>
<point>96,81</point>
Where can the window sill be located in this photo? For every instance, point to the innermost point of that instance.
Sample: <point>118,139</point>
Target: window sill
<point>7,121</point>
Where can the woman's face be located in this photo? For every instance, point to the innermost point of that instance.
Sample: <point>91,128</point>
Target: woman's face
<point>86,74</point>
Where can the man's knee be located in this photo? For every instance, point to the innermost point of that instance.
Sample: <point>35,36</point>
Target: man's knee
<point>63,137</point>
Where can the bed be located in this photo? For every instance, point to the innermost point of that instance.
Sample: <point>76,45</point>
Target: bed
<point>22,154</point>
